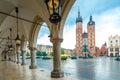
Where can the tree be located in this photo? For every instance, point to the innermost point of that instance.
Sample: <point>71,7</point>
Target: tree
<point>20,54</point>
<point>62,51</point>
<point>51,54</point>
<point>38,53</point>
<point>27,54</point>
<point>44,54</point>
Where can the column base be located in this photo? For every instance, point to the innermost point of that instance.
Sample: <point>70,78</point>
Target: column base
<point>2,60</point>
<point>57,74</point>
<point>18,62</point>
<point>23,64</point>
<point>32,67</point>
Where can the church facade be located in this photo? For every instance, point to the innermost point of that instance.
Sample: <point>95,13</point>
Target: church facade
<point>85,41</point>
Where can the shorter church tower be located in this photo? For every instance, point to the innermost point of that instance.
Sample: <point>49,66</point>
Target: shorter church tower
<point>91,36</point>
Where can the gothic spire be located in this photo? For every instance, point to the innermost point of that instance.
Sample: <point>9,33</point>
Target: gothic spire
<point>78,12</point>
<point>91,22</point>
<point>79,18</point>
<point>91,18</point>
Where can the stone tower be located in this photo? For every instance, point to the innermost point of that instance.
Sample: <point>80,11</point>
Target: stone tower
<point>78,34</point>
<point>91,35</point>
<point>86,38</point>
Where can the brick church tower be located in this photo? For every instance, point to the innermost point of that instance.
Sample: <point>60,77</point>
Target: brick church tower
<point>79,40</point>
<point>91,36</point>
<point>85,39</point>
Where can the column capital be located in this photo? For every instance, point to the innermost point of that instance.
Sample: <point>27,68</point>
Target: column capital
<point>56,40</point>
<point>32,48</point>
<point>23,51</point>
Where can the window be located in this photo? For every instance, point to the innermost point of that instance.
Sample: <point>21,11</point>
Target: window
<point>111,49</point>
<point>116,49</point>
<point>110,41</point>
<point>91,33</point>
<point>91,40</point>
<point>91,36</point>
<point>116,41</point>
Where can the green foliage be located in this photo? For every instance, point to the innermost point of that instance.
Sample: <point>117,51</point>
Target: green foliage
<point>51,54</point>
<point>62,51</point>
<point>38,53</point>
<point>44,54</point>
<point>27,54</point>
<point>20,54</point>
<point>63,58</point>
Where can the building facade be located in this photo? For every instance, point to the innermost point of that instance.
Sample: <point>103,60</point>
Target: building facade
<point>86,38</point>
<point>49,49</point>
<point>103,50</point>
<point>114,46</point>
<point>45,48</point>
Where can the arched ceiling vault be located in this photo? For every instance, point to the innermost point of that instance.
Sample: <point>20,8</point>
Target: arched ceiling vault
<point>28,9</point>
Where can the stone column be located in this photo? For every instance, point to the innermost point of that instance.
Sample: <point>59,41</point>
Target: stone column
<point>18,55</point>
<point>18,58</point>
<point>57,73</point>
<point>33,58</point>
<point>2,56</point>
<point>23,57</point>
<point>9,56</point>
<point>14,57</point>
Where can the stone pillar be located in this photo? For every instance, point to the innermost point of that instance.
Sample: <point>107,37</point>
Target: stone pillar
<point>33,58</point>
<point>14,57</point>
<point>18,58</point>
<point>18,55</point>
<point>57,73</point>
<point>8,56</point>
<point>23,57</point>
<point>2,56</point>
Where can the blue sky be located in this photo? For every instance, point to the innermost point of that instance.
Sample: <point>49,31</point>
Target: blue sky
<point>106,14</point>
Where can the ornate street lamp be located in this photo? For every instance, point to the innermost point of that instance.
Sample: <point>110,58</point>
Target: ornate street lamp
<point>17,40</point>
<point>54,9</point>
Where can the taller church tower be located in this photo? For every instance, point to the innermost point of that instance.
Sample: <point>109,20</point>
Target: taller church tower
<point>79,40</point>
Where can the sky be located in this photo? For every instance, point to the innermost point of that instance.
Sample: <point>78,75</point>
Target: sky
<point>105,13</point>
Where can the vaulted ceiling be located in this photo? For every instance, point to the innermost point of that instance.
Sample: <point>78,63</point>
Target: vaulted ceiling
<point>28,9</point>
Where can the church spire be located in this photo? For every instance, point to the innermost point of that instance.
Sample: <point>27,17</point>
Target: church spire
<point>91,22</point>
<point>78,12</point>
<point>91,18</point>
<point>79,18</point>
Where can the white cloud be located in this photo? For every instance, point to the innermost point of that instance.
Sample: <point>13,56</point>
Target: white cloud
<point>44,40</point>
<point>107,24</point>
<point>69,36</point>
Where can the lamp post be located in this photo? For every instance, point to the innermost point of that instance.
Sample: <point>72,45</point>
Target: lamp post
<point>54,9</point>
<point>17,40</point>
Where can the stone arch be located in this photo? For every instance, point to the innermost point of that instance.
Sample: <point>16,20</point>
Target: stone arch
<point>65,10</point>
<point>34,31</point>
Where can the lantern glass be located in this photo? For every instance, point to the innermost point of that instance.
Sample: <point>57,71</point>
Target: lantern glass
<point>54,9</point>
<point>18,42</point>
<point>55,2</point>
